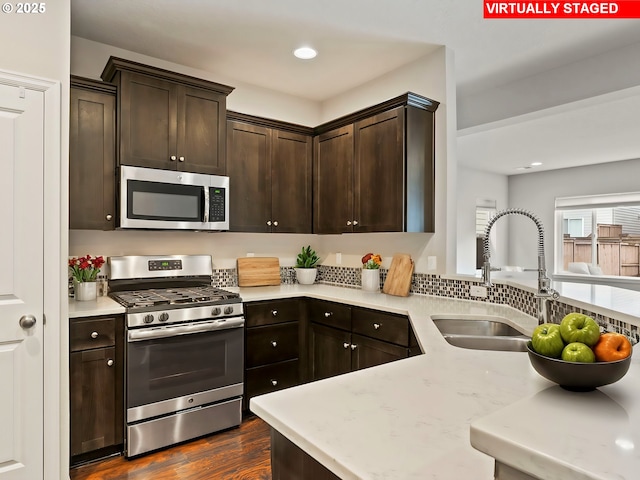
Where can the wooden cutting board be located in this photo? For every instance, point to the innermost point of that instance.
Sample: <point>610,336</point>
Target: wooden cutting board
<point>258,271</point>
<point>398,281</point>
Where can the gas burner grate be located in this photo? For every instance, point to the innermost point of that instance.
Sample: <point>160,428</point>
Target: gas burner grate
<point>172,296</point>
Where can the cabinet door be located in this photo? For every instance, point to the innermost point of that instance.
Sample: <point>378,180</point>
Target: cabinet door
<point>201,131</point>
<point>96,410</point>
<point>368,352</point>
<point>379,173</point>
<point>148,121</point>
<point>333,181</point>
<point>248,147</point>
<point>270,344</point>
<point>92,160</point>
<point>291,182</point>
<point>330,351</point>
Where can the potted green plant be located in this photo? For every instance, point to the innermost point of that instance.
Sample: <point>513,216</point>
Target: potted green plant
<point>306,262</point>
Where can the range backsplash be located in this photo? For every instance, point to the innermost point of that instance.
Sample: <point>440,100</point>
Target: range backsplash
<point>428,284</point>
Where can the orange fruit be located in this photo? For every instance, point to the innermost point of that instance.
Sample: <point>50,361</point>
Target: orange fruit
<point>611,347</point>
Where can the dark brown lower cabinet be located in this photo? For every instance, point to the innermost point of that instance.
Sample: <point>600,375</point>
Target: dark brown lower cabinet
<point>96,381</point>
<point>368,352</point>
<point>330,351</point>
<point>289,462</point>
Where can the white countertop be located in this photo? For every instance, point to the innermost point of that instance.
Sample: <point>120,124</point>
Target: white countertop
<point>417,418</point>
<point>411,419</point>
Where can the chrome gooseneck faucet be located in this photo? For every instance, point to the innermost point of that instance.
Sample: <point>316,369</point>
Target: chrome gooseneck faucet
<point>544,284</point>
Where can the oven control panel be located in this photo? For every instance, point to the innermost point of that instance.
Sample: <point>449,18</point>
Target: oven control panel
<point>156,265</point>
<point>160,316</point>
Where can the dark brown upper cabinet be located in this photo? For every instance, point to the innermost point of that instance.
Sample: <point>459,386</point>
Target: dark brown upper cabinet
<point>374,169</point>
<point>167,120</point>
<point>269,168</point>
<point>92,155</point>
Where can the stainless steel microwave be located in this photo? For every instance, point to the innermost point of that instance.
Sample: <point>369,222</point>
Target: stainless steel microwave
<point>171,200</point>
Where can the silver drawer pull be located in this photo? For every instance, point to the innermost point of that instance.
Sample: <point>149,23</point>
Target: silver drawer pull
<point>275,224</point>
<point>94,334</point>
<point>274,344</point>
<point>172,158</point>
<point>376,326</point>
<point>274,382</point>
<point>269,222</point>
<point>274,313</point>
<point>328,314</point>
<point>109,363</point>
<point>353,347</point>
<point>181,159</point>
<point>345,345</point>
<point>109,216</point>
<point>355,222</point>
<point>348,222</point>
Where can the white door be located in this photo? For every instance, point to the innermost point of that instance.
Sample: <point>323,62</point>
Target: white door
<point>21,283</point>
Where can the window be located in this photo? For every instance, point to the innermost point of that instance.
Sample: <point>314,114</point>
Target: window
<point>599,235</point>
<point>485,211</point>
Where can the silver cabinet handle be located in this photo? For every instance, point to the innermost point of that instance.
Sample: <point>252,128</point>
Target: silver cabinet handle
<point>355,222</point>
<point>274,313</point>
<point>172,158</point>
<point>275,224</point>
<point>27,321</point>
<point>348,222</point>
<point>328,314</point>
<point>274,382</point>
<point>181,159</point>
<point>353,347</point>
<point>94,334</point>
<point>109,216</point>
<point>109,363</point>
<point>269,222</point>
<point>274,344</point>
<point>376,326</point>
<point>345,345</point>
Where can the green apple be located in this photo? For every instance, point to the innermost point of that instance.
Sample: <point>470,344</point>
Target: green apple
<point>547,340</point>
<point>578,352</point>
<point>577,327</point>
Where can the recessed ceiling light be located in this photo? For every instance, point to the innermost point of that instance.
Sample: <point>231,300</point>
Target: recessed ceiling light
<point>523,168</point>
<point>536,164</point>
<point>305,53</point>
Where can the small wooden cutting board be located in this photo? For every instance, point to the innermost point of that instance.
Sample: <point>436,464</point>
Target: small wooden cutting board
<point>258,271</point>
<point>398,281</point>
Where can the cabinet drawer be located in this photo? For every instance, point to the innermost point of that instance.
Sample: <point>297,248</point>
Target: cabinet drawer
<point>331,314</point>
<point>383,326</point>
<point>94,333</point>
<point>270,378</point>
<point>272,311</point>
<point>274,343</point>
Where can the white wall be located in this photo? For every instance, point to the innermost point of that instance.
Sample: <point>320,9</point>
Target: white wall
<point>472,186</point>
<point>427,76</point>
<point>38,45</point>
<point>89,58</point>
<point>537,192</point>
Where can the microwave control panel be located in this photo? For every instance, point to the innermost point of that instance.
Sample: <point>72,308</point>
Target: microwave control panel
<point>217,204</point>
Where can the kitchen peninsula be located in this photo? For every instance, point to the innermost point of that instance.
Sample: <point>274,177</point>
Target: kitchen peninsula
<point>418,418</point>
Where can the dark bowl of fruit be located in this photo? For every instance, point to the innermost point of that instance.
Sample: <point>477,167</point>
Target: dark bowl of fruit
<point>578,376</point>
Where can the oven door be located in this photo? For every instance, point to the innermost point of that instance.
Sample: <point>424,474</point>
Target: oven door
<point>170,369</point>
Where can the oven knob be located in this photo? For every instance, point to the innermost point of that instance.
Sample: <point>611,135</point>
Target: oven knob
<point>164,317</point>
<point>216,311</point>
<point>148,318</point>
<point>228,310</point>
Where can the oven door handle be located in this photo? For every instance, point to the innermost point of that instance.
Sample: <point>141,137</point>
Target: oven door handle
<point>164,332</point>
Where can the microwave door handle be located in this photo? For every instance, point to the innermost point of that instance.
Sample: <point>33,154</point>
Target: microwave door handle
<point>205,218</point>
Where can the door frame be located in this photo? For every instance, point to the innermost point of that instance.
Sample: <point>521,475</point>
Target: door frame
<point>55,339</point>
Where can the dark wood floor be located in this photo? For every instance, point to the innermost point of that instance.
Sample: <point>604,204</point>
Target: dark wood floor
<point>237,454</point>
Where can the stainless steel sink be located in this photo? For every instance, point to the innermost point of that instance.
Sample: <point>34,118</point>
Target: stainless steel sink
<point>481,334</point>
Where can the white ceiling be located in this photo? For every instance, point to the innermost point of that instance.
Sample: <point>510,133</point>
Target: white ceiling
<point>357,40</point>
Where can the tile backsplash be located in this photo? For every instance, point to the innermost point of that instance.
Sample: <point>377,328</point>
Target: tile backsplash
<point>427,284</point>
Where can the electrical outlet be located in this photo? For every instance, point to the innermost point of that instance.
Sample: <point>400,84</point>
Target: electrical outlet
<point>478,291</point>
<point>338,259</point>
<point>432,263</point>
<point>251,254</point>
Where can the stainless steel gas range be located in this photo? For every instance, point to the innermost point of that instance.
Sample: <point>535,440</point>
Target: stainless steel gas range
<point>184,350</point>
